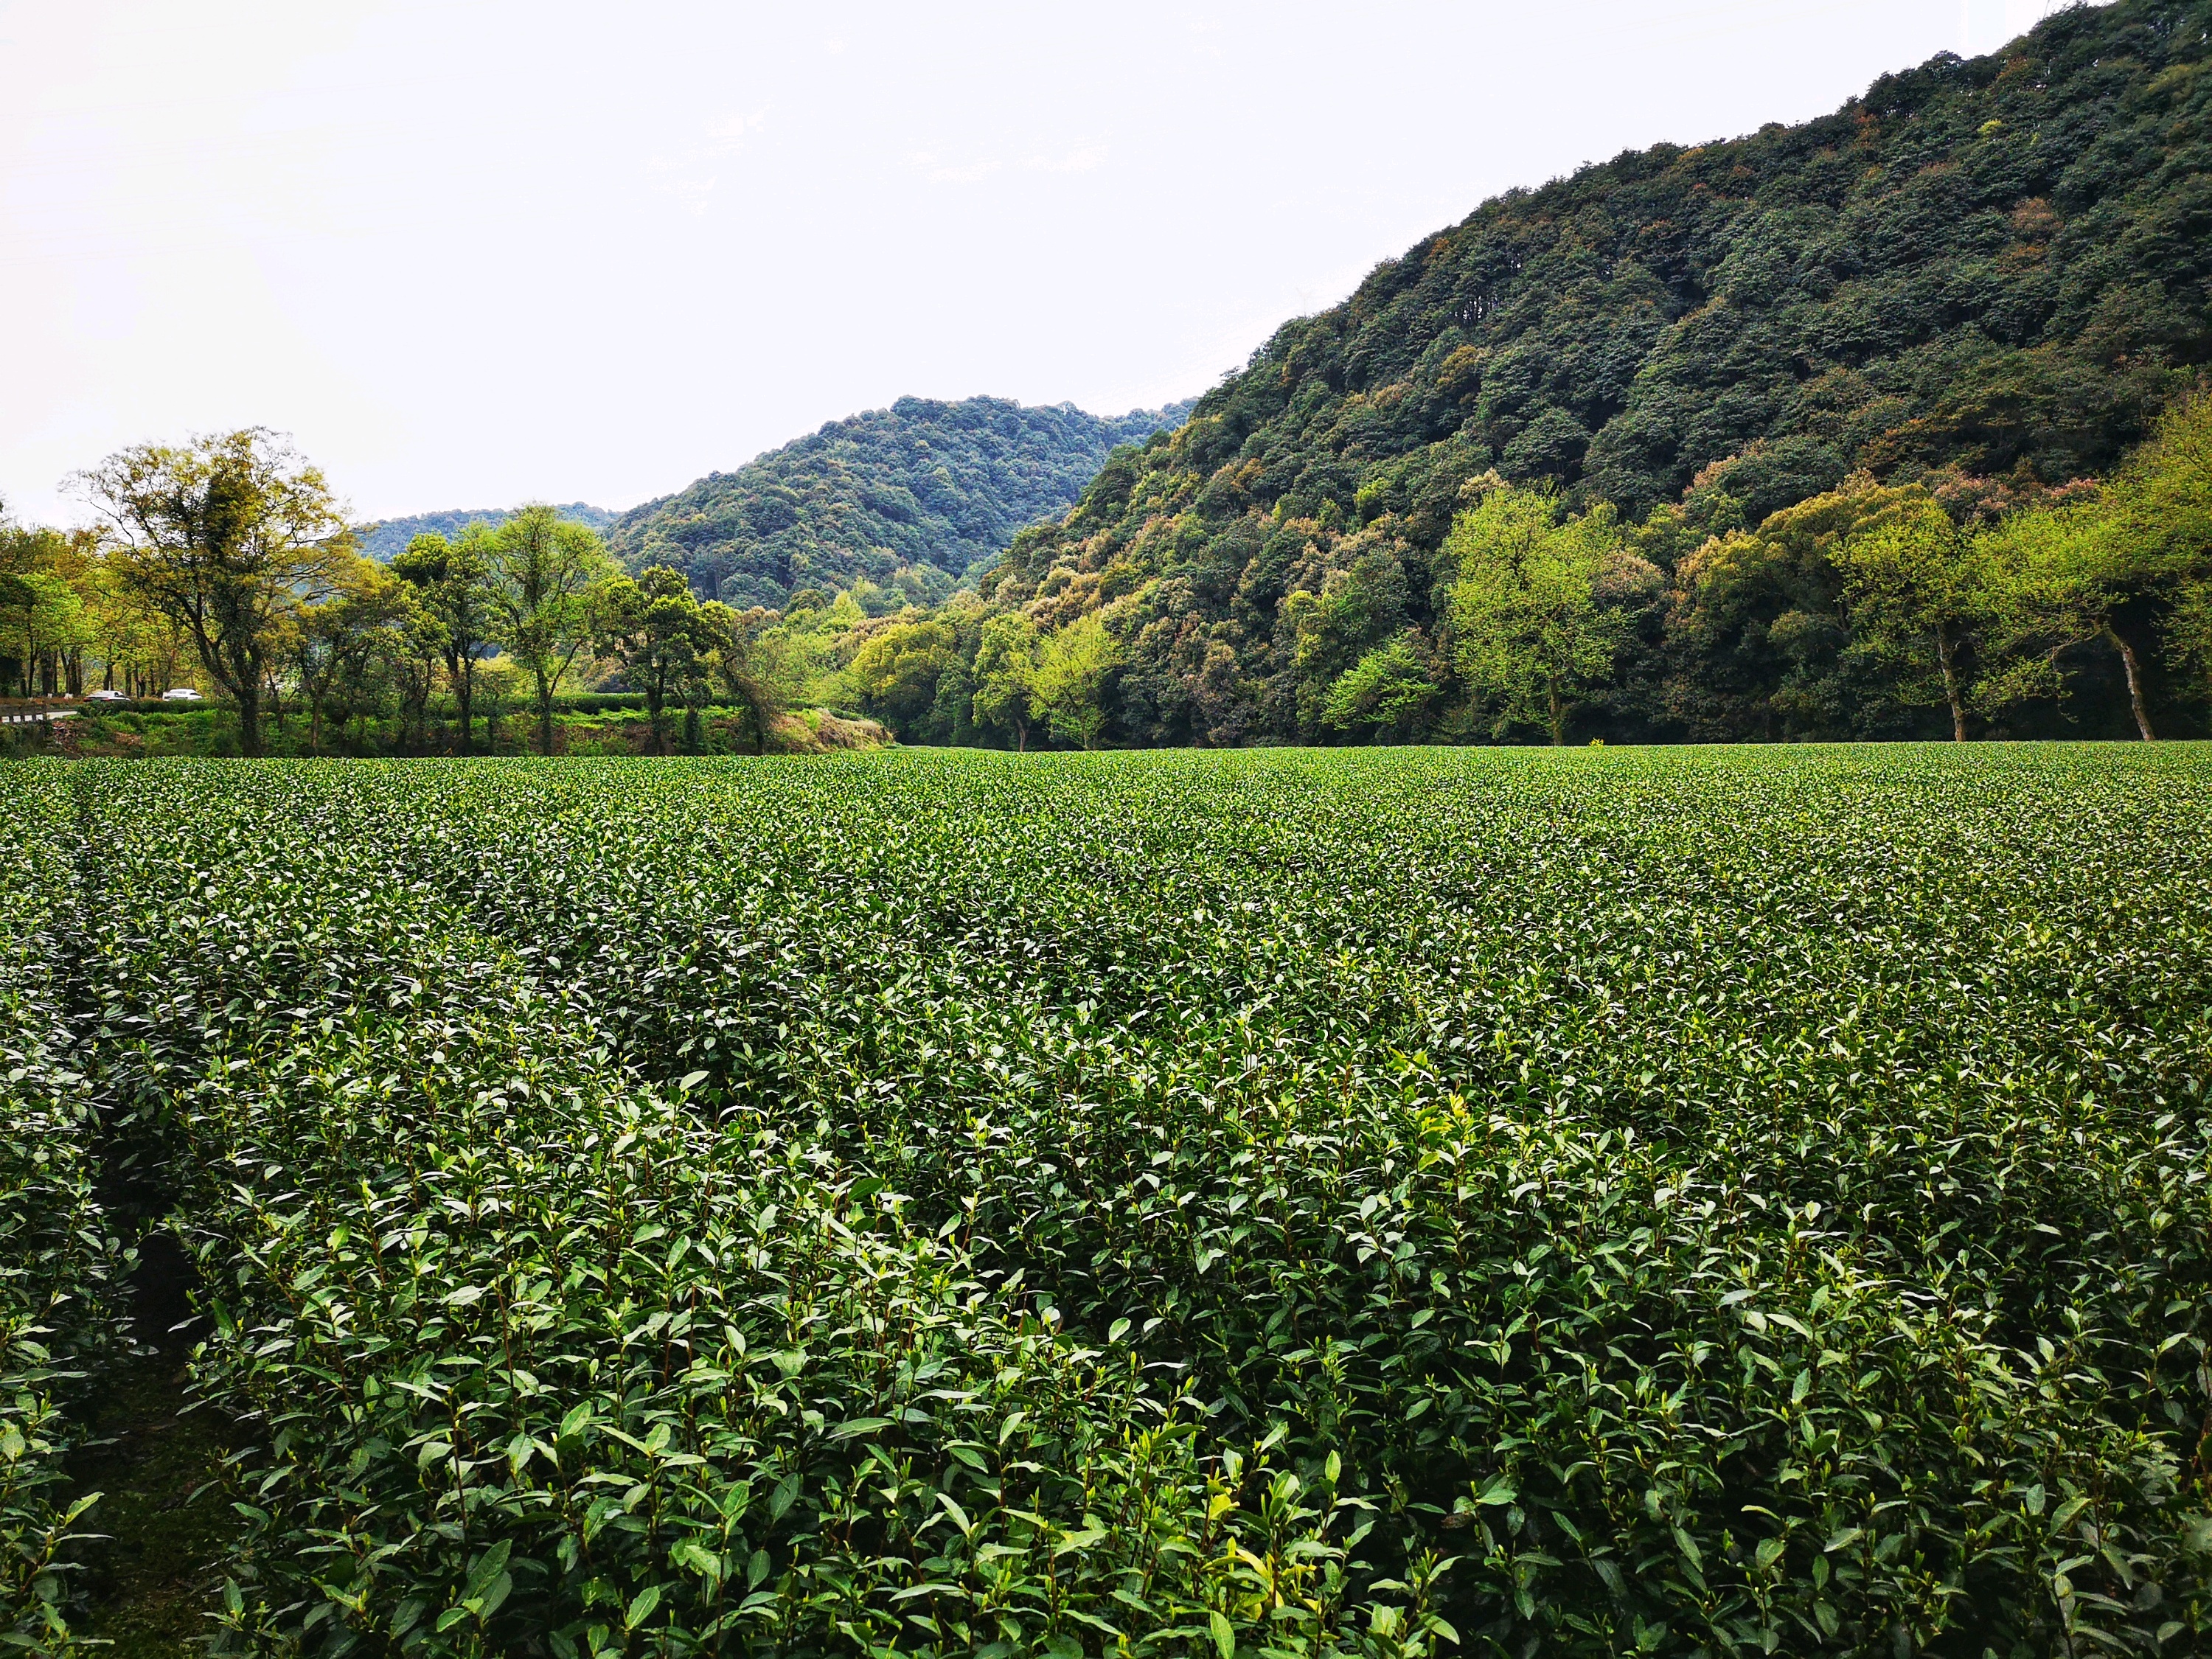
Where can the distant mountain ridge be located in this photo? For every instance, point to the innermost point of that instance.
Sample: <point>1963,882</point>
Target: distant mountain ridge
<point>912,498</point>
<point>384,539</point>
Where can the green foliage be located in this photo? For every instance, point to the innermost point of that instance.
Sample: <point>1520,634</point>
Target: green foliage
<point>896,667</point>
<point>1068,686</point>
<point>765,668</point>
<point>453,583</point>
<point>1006,666</point>
<point>1326,1203</point>
<point>61,1263</point>
<point>1757,627</point>
<point>911,497</point>
<point>340,646</point>
<point>386,539</point>
<point>543,577</point>
<point>1540,606</point>
<point>663,640</point>
<point>40,612</point>
<point>1918,595</point>
<point>1386,691</point>
<point>1986,278</point>
<point>225,537</point>
<point>2064,579</point>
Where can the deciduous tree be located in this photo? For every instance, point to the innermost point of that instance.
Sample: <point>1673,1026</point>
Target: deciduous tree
<point>896,668</point>
<point>454,582</point>
<point>653,628</point>
<point>761,666</point>
<point>1541,605</point>
<point>1068,686</point>
<point>2060,578</point>
<point>1916,596</point>
<point>1385,692</point>
<point>226,536</point>
<point>333,642</point>
<point>545,574</point>
<point>1005,663</point>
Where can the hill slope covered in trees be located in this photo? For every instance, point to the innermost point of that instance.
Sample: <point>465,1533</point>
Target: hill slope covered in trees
<point>1985,278</point>
<point>387,538</point>
<point>913,497</point>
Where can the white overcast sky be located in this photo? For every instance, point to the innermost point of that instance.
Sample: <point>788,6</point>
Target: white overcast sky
<point>474,252</point>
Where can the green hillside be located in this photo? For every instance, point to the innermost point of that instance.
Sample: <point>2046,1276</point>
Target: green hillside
<point>912,497</point>
<point>387,538</point>
<point>1982,276</point>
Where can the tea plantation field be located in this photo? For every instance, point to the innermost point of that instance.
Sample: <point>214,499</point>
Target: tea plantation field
<point>1393,1202</point>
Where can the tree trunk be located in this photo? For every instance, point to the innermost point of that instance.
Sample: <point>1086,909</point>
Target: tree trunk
<point>1948,654</point>
<point>545,716</point>
<point>2134,683</point>
<point>461,698</point>
<point>654,699</point>
<point>1558,717</point>
<point>249,715</point>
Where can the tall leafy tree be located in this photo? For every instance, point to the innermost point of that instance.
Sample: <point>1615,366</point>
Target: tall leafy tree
<point>333,642</point>
<point>545,579</point>
<point>1540,605</point>
<point>653,626</point>
<point>1005,663</point>
<point>1757,637</point>
<point>2161,500</point>
<point>42,618</point>
<point>1067,687</point>
<point>453,582</point>
<point>896,666</point>
<point>1916,596</point>
<point>2162,505</point>
<point>760,666</point>
<point>226,536</point>
<point>2061,578</point>
<point>130,640</point>
<point>50,581</point>
<point>2091,571</point>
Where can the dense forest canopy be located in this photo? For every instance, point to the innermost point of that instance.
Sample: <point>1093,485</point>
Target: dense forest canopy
<point>1983,280</point>
<point>386,539</point>
<point>908,498</point>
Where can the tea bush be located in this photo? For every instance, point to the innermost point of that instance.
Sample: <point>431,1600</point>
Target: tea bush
<point>1280,1203</point>
<point>59,1256</point>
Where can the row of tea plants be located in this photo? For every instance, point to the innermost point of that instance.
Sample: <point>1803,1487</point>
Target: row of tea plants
<point>1382,1203</point>
<point>61,1264</point>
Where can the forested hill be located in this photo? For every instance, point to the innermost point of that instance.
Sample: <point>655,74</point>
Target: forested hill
<point>1981,276</point>
<point>910,497</point>
<point>387,538</point>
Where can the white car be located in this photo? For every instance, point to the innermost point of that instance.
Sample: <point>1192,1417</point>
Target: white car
<point>106,696</point>
<point>181,694</point>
